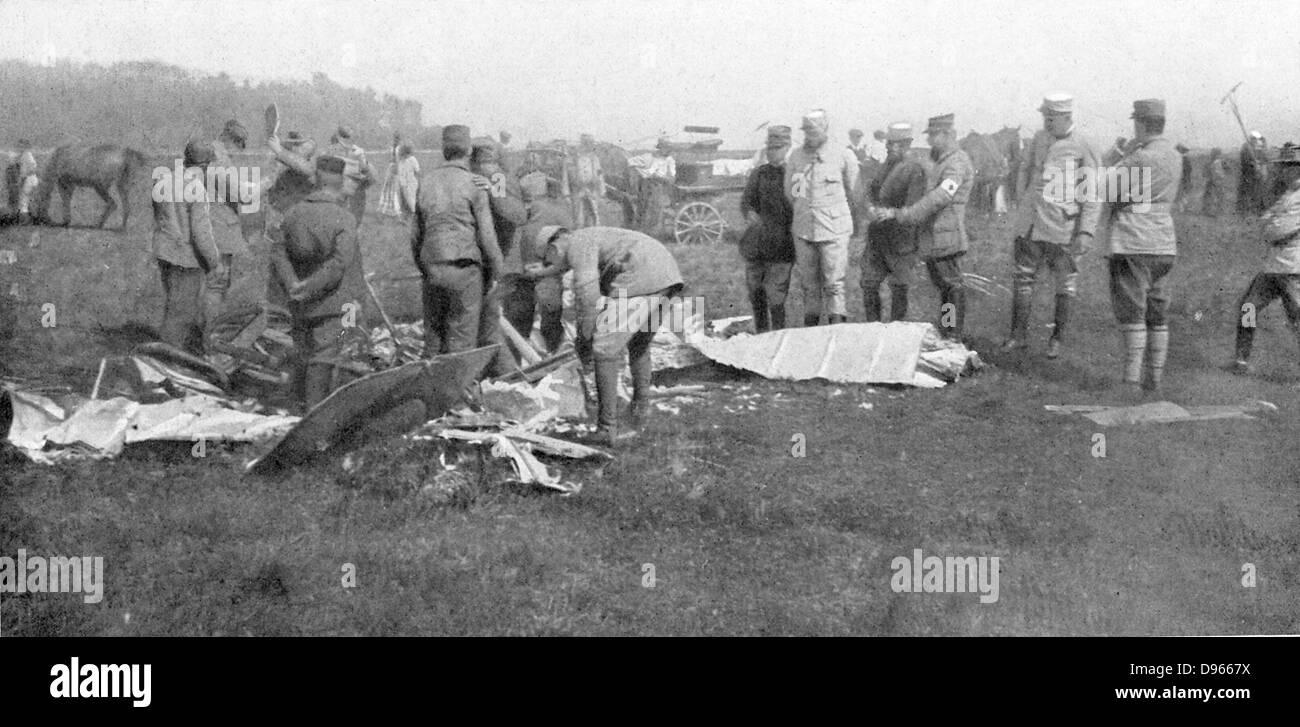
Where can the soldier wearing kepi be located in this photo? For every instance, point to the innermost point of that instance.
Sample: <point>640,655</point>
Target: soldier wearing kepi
<point>316,266</point>
<point>820,180</point>
<point>641,284</point>
<point>941,218</point>
<point>455,246</point>
<point>1056,221</point>
<point>1142,242</point>
<point>891,250</point>
<point>766,245</point>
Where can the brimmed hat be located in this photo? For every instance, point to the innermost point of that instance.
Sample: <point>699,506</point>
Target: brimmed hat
<point>815,119</point>
<point>945,122</point>
<point>901,131</point>
<point>1057,103</point>
<point>294,139</point>
<point>1148,108</point>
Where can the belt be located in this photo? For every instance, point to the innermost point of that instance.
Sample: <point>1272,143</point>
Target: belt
<point>1152,208</point>
<point>455,263</point>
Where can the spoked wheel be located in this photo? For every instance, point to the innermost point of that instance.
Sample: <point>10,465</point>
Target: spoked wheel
<point>698,223</point>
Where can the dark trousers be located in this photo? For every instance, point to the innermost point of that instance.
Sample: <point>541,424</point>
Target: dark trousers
<point>768,284</point>
<point>453,301</point>
<point>525,299</point>
<point>945,274</point>
<point>316,348</point>
<point>1263,290</point>
<point>628,328</point>
<point>183,321</point>
<point>1138,291</point>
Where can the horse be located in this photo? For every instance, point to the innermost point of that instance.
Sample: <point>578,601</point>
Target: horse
<point>996,158</point>
<point>100,167</point>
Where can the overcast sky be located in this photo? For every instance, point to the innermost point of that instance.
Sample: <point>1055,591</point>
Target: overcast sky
<point>627,69</point>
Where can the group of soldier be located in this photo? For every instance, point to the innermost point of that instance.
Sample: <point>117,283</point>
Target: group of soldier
<point>800,202</point>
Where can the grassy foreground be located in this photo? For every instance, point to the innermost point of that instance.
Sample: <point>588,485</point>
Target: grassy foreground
<point>740,536</point>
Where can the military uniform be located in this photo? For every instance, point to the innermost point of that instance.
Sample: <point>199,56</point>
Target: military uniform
<point>359,171</point>
<point>589,186</point>
<point>1280,277</point>
<point>184,246</point>
<point>1142,244</point>
<point>455,246</point>
<point>640,284</point>
<point>820,183</point>
<point>767,245</point>
<point>316,267</point>
<point>505,200</point>
<point>891,251</point>
<point>941,218</point>
<point>544,297</point>
<point>1059,213</point>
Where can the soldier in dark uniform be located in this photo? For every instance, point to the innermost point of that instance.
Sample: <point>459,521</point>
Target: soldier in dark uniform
<point>940,216</point>
<point>891,250</point>
<point>454,244</point>
<point>508,212</point>
<point>767,245</point>
<point>316,268</point>
<point>544,297</point>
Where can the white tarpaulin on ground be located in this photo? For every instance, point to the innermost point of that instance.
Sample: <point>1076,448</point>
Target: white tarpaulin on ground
<point>907,352</point>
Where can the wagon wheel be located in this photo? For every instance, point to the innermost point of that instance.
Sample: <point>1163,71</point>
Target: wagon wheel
<point>698,223</point>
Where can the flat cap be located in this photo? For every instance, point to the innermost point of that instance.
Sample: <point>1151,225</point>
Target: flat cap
<point>899,131</point>
<point>945,122</point>
<point>1148,108</point>
<point>1057,103</point>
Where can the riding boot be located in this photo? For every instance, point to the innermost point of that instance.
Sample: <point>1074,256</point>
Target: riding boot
<point>897,302</point>
<point>871,303</point>
<point>1021,305</point>
<point>1061,317</point>
<point>758,302</point>
<point>607,373</point>
<point>777,313</point>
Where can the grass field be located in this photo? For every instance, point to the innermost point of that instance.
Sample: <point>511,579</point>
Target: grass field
<point>742,537</point>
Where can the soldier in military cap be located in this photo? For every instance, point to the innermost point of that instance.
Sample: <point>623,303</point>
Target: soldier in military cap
<point>316,268</point>
<point>1055,224</point>
<point>1142,242</point>
<point>941,218</point>
<point>360,173</point>
<point>821,181</point>
<point>454,244</point>
<point>891,250</point>
<point>766,245</point>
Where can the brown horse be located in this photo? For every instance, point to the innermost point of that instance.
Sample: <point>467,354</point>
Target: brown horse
<point>100,167</point>
<point>996,158</point>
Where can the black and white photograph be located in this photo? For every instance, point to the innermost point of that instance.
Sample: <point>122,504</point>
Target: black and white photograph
<point>741,318</point>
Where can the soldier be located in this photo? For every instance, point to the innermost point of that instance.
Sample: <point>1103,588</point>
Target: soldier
<point>820,180</point>
<point>1216,183</point>
<point>316,267</point>
<point>455,247</point>
<point>226,222</point>
<point>941,217</point>
<point>545,296</point>
<point>639,280</point>
<point>1142,242</point>
<point>1055,224</point>
<point>1280,277</point>
<point>296,175</point>
<point>360,172</point>
<point>1253,175</point>
<point>508,212</point>
<point>184,247</point>
<point>767,245</point>
<point>589,180</point>
<point>891,249</point>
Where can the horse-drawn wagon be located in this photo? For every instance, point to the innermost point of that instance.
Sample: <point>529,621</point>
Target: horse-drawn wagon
<point>686,195</point>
